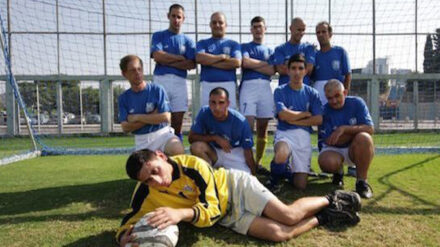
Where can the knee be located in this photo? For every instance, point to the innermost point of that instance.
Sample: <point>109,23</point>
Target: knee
<point>281,155</point>
<point>329,163</point>
<point>363,138</point>
<point>198,148</point>
<point>279,234</point>
<point>174,147</point>
<point>300,185</point>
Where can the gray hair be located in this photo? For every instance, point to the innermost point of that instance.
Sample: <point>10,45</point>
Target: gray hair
<point>334,84</point>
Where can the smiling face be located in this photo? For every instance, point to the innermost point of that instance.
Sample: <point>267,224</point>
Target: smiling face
<point>218,25</point>
<point>156,172</point>
<point>176,18</point>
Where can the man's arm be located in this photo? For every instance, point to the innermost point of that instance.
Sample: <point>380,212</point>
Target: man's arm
<point>185,64</point>
<point>309,121</point>
<point>228,63</point>
<point>281,69</point>
<point>258,65</point>
<point>250,162</point>
<point>290,116</point>
<point>347,82</point>
<point>345,133</point>
<point>166,58</point>
<point>209,59</point>
<point>222,142</point>
<point>309,67</point>
<point>131,126</point>
<point>150,118</point>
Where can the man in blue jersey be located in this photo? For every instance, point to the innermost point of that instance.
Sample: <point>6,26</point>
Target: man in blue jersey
<point>256,98</point>
<point>297,108</point>
<point>346,130</point>
<point>219,58</point>
<point>292,47</point>
<point>144,110</point>
<point>174,54</point>
<point>221,135</point>
<point>331,61</point>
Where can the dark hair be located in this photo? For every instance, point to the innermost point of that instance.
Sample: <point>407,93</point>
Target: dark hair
<point>329,27</point>
<point>175,6</point>
<point>258,19</point>
<point>297,58</point>
<point>218,91</point>
<point>127,59</point>
<point>136,160</point>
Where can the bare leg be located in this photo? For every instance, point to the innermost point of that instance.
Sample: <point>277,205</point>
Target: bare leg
<point>176,121</point>
<point>204,151</point>
<point>174,146</point>
<point>262,124</point>
<point>361,152</point>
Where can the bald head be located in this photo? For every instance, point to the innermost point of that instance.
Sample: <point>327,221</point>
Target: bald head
<point>334,84</point>
<point>297,21</point>
<point>297,30</point>
<point>335,93</point>
<point>218,25</point>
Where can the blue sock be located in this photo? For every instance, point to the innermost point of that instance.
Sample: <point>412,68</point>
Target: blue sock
<point>180,137</point>
<point>277,171</point>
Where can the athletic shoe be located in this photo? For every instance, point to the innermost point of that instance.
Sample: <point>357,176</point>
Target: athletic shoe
<point>364,189</point>
<point>261,170</point>
<point>336,218</point>
<point>338,180</point>
<point>351,171</point>
<point>345,200</point>
<point>273,186</point>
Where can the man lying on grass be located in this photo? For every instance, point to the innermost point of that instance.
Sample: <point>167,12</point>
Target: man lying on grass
<point>186,188</point>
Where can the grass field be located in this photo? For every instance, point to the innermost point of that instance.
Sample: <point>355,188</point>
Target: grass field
<point>80,200</point>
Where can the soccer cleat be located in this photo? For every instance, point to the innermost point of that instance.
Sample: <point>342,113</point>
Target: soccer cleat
<point>273,186</point>
<point>351,171</point>
<point>336,218</point>
<point>338,180</point>
<point>261,170</point>
<point>364,189</point>
<point>345,200</point>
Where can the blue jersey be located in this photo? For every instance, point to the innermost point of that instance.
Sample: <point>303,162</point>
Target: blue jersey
<point>354,112</point>
<point>216,47</point>
<point>152,98</point>
<point>259,52</point>
<point>173,43</point>
<point>333,64</point>
<point>304,99</point>
<point>286,50</point>
<point>235,128</point>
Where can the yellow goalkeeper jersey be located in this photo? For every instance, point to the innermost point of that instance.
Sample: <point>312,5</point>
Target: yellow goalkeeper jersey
<point>195,185</point>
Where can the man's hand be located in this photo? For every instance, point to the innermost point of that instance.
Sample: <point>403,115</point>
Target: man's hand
<point>165,216</point>
<point>128,238</point>
<point>223,143</point>
<point>334,137</point>
<point>131,118</point>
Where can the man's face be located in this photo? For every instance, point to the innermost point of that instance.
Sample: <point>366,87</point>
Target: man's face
<point>176,18</point>
<point>134,73</point>
<point>219,106</point>
<point>156,172</point>
<point>323,35</point>
<point>335,97</point>
<point>296,72</point>
<point>258,30</point>
<point>297,29</point>
<point>218,26</point>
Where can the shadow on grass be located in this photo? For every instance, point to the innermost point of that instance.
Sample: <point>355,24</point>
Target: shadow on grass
<point>103,239</point>
<point>105,197</point>
<point>385,180</point>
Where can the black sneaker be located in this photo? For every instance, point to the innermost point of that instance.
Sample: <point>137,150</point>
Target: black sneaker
<point>274,187</point>
<point>336,218</point>
<point>338,180</point>
<point>351,171</point>
<point>261,170</point>
<point>345,201</point>
<point>364,189</point>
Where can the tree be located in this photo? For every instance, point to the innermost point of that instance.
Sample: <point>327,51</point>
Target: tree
<point>428,62</point>
<point>436,52</point>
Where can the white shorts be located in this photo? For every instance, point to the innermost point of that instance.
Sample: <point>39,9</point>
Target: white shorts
<point>176,89</point>
<point>300,147</point>
<point>247,200</point>
<point>256,99</point>
<point>155,140</point>
<point>341,151</point>
<point>233,160</point>
<point>206,88</point>
<point>319,85</point>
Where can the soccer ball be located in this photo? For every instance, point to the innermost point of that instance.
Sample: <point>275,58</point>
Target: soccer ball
<point>148,236</point>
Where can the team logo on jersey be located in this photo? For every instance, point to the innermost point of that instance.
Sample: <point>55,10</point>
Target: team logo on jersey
<point>131,111</point>
<point>336,65</point>
<point>165,47</point>
<point>227,50</point>
<point>352,121</point>
<point>188,188</point>
<point>211,48</point>
<point>182,49</point>
<point>149,107</point>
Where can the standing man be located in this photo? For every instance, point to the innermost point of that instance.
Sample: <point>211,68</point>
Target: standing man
<point>256,98</point>
<point>346,130</point>
<point>331,61</point>
<point>144,110</point>
<point>297,108</point>
<point>292,47</point>
<point>221,135</point>
<point>174,54</point>
<point>219,58</point>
